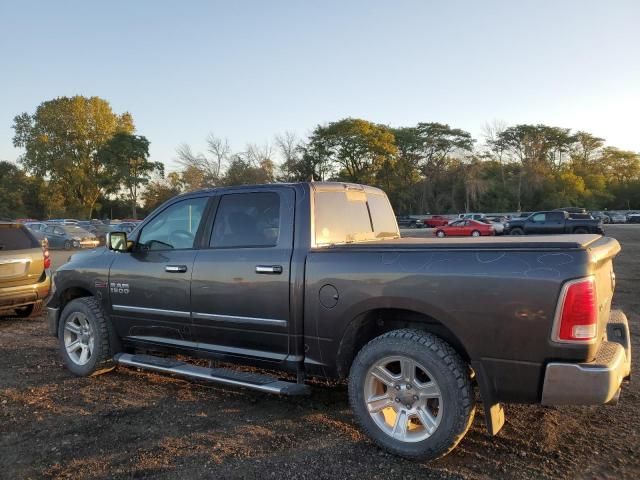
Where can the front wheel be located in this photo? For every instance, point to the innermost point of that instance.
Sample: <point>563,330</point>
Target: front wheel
<point>475,233</point>
<point>411,394</point>
<point>67,245</point>
<point>440,234</point>
<point>83,335</point>
<point>580,230</point>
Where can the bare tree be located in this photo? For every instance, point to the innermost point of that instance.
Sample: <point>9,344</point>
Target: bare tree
<point>220,150</point>
<point>290,148</point>
<point>492,132</point>
<point>256,154</point>
<point>210,166</point>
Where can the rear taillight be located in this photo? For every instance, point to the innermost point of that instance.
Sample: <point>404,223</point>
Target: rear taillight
<point>47,258</point>
<point>578,314</point>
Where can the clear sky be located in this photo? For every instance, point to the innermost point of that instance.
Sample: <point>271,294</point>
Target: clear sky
<point>247,70</point>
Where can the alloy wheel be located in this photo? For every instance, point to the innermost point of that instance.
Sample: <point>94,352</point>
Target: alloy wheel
<point>403,399</point>
<point>79,338</point>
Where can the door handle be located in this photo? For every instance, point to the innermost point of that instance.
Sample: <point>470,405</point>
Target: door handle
<point>175,268</point>
<point>269,269</point>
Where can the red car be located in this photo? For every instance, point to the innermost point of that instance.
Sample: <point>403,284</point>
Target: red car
<point>436,221</point>
<point>464,228</point>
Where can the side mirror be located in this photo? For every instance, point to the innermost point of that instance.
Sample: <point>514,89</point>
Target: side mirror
<point>117,241</point>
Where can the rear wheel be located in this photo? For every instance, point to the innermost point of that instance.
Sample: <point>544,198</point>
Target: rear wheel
<point>440,234</point>
<point>411,394</point>
<point>475,233</point>
<point>517,231</point>
<point>580,230</point>
<point>83,336</point>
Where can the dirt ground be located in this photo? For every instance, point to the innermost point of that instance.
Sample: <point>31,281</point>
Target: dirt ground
<point>132,424</point>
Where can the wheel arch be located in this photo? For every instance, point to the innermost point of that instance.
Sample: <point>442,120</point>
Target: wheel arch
<point>375,321</point>
<point>63,297</point>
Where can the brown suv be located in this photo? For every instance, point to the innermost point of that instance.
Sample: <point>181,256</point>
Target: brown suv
<point>25,279</point>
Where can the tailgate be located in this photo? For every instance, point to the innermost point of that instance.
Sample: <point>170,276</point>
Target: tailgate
<point>601,255</point>
<point>21,256</point>
<point>21,267</point>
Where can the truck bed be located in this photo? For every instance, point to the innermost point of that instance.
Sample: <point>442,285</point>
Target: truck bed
<point>498,296</point>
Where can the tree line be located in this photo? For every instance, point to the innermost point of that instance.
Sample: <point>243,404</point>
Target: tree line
<point>430,167</point>
<point>82,159</point>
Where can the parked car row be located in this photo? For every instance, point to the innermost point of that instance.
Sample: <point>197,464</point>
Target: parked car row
<point>559,220</point>
<point>71,234</point>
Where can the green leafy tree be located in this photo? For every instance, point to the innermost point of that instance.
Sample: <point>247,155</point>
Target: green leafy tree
<point>12,184</point>
<point>241,171</point>
<point>128,156</point>
<point>359,148</point>
<point>437,144</point>
<point>620,166</point>
<point>61,141</point>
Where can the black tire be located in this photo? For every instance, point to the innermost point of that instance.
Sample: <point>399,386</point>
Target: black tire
<point>580,230</point>
<point>516,231</point>
<point>67,245</point>
<point>102,353</point>
<point>440,233</point>
<point>32,310</point>
<point>448,370</point>
<point>475,233</point>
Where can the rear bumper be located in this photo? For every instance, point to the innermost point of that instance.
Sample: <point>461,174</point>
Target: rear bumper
<point>596,382</point>
<point>22,295</point>
<point>89,243</point>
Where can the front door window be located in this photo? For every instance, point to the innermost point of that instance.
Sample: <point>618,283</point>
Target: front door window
<point>175,228</point>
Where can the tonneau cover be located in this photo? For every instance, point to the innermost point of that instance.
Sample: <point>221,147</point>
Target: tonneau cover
<point>528,242</point>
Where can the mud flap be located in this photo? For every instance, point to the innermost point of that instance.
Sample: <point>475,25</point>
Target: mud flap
<point>493,411</point>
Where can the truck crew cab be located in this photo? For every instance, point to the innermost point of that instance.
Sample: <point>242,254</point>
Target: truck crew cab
<point>313,280</point>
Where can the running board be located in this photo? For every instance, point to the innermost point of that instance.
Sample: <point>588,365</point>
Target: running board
<point>225,376</point>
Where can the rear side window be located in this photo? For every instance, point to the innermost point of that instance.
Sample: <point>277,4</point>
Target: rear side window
<point>555,216</point>
<point>352,216</point>
<point>16,237</point>
<point>245,220</point>
<point>382,216</point>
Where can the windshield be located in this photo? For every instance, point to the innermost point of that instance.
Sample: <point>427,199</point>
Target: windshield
<point>75,230</point>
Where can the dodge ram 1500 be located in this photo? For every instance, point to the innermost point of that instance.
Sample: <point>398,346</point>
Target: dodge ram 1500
<point>313,280</point>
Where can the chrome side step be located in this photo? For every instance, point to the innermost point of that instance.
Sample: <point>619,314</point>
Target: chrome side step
<point>225,376</point>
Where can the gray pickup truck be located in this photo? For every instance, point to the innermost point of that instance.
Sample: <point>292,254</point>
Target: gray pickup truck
<point>312,280</point>
<point>554,222</point>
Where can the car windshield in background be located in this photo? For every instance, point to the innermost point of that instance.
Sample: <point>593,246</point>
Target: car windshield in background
<point>74,230</point>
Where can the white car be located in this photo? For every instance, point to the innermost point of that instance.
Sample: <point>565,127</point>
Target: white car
<point>498,227</point>
<point>471,216</point>
<point>633,217</point>
<point>618,218</point>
